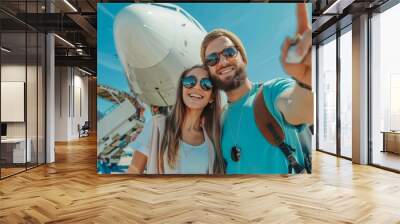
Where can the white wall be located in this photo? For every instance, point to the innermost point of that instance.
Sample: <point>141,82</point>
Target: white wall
<point>71,93</point>
<point>12,73</point>
<point>81,85</point>
<point>61,103</point>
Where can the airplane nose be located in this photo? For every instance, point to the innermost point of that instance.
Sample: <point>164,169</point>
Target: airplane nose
<point>143,34</point>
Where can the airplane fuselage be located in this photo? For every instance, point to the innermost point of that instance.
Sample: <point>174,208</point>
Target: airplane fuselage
<point>155,43</point>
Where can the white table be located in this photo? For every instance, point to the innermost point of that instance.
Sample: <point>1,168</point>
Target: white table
<point>18,149</point>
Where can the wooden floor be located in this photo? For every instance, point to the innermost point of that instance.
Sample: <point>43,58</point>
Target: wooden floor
<point>70,191</point>
<point>5,172</point>
<point>10,171</point>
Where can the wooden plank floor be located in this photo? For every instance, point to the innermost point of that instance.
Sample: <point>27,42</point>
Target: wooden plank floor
<point>10,171</point>
<point>70,191</point>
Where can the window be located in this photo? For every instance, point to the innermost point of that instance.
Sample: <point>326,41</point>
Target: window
<point>346,93</point>
<point>394,102</point>
<point>385,88</point>
<point>327,96</point>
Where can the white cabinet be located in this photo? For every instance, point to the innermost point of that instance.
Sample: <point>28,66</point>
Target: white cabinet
<point>18,149</point>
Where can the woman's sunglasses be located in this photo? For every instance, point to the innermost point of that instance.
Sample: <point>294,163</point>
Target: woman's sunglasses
<point>213,58</point>
<point>190,81</point>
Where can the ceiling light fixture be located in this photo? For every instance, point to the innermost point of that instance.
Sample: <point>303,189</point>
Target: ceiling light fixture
<point>5,50</point>
<point>332,8</point>
<point>79,51</point>
<point>70,5</point>
<point>84,71</point>
<point>337,7</point>
<point>64,40</point>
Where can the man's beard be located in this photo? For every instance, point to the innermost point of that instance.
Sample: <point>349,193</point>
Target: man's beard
<point>234,82</point>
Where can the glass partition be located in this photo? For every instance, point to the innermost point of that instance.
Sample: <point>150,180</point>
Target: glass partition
<point>31,98</point>
<point>13,105</point>
<point>22,89</point>
<point>41,91</point>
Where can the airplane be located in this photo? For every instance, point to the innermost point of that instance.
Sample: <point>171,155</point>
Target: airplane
<point>155,42</point>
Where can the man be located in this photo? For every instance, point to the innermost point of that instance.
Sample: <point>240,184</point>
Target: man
<point>290,101</point>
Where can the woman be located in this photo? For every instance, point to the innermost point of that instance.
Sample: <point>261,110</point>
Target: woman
<point>187,141</point>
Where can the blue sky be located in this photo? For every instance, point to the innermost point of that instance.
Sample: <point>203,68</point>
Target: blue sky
<point>261,27</point>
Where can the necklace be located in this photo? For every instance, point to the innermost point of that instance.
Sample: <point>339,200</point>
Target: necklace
<point>235,150</point>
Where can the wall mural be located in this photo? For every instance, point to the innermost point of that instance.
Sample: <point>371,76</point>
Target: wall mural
<point>210,88</point>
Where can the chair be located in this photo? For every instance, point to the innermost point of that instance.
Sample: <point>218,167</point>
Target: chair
<point>84,130</point>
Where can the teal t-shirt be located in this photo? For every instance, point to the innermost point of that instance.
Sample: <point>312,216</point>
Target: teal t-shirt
<point>257,155</point>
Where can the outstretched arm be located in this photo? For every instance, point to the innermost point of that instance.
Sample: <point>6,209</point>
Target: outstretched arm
<point>302,20</point>
<point>297,104</point>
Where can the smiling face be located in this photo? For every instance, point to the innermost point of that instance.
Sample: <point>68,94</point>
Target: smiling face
<point>229,73</point>
<point>196,97</point>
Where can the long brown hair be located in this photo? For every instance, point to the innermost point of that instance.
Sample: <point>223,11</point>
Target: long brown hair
<point>174,122</point>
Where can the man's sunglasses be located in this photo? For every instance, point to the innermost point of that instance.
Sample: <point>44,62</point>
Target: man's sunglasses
<point>213,58</point>
<point>190,81</point>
